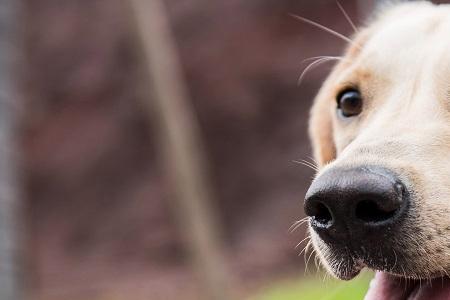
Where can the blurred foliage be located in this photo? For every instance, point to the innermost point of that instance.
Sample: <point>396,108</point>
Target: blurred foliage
<point>317,288</point>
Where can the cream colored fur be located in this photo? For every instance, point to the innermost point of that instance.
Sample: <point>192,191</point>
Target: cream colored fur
<point>401,64</point>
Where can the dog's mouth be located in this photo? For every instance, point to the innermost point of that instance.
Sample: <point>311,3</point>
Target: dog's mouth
<point>389,287</point>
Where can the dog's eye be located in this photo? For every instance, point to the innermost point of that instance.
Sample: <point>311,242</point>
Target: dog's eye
<point>349,103</point>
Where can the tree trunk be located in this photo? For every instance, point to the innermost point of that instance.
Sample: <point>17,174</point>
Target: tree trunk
<point>181,147</point>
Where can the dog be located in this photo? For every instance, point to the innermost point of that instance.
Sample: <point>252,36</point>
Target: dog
<point>380,130</point>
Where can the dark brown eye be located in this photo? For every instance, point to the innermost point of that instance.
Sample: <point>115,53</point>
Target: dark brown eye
<point>349,103</point>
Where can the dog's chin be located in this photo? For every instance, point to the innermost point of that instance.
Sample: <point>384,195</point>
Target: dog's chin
<point>386,286</point>
<point>389,287</point>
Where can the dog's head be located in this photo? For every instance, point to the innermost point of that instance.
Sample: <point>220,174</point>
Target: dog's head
<point>380,128</point>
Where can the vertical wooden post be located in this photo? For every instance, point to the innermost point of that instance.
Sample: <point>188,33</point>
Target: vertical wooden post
<point>181,146</point>
<point>10,252</point>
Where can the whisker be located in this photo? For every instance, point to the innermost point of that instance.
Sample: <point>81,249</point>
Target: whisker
<point>308,237</point>
<point>404,275</point>
<point>320,56</point>
<point>326,277</point>
<point>305,249</point>
<point>395,263</point>
<point>313,162</point>
<point>317,262</point>
<point>297,224</point>
<point>314,167</point>
<point>324,28</point>
<point>306,164</point>
<point>347,16</point>
<point>314,64</point>
<point>307,262</point>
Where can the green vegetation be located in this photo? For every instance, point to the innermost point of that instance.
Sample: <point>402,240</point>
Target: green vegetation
<point>309,288</point>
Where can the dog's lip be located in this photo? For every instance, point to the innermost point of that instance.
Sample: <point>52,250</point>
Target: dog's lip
<point>389,287</point>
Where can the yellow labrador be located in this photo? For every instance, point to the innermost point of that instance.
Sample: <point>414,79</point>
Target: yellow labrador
<point>380,128</point>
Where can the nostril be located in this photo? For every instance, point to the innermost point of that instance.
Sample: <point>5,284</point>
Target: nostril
<point>322,215</point>
<point>370,212</point>
<point>355,203</point>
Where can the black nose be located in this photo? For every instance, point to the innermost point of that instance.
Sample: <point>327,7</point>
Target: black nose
<point>352,203</point>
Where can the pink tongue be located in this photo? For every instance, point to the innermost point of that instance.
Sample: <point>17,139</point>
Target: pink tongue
<point>436,289</point>
<point>388,287</point>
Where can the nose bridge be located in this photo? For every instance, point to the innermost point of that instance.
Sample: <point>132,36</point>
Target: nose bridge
<point>399,130</point>
<point>413,101</point>
<point>404,139</point>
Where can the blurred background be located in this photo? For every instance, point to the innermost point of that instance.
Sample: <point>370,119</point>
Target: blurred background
<point>158,142</point>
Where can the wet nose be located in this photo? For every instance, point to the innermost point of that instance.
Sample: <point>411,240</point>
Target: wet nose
<point>352,203</point>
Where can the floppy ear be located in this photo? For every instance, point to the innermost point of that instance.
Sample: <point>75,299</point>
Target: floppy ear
<point>321,127</point>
